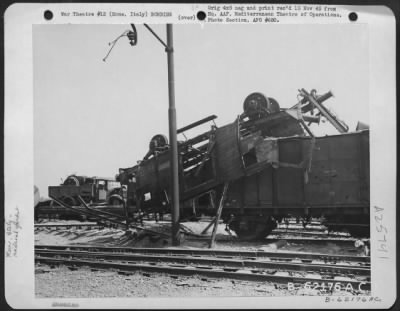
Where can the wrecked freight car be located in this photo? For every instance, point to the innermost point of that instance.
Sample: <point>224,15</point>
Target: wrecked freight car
<point>272,163</point>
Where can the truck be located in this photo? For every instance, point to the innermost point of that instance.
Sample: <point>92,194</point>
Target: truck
<point>93,190</point>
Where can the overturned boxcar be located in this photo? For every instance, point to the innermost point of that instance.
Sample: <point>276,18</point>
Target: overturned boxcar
<point>273,164</point>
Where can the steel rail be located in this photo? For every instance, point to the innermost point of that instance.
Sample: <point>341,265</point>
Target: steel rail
<point>308,228</point>
<point>248,275</point>
<point>286,266</point>
<point>96,225</point>
<point>68,225</point>
<point>308,240</point>
<point>306,232</point>
<point>87,212</point>
<point>300,227</point>
<point>275,238</point>
<point>210,252</point>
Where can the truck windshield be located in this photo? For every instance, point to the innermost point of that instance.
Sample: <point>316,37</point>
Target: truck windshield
<point>113,184</point>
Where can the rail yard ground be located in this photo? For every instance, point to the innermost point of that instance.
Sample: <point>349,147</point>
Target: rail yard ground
<point>53,280</point>
<point>61,282</point>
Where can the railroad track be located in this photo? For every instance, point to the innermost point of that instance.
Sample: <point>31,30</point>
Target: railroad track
<point>315,228</point>
<point>95,225</point>
<point>320,241</point>
<point>317,235</point>
<point>291,237</point>
<point>310,232</point>
<point>279,237</point>
<point>281,268</point>
<point>81,225</point>
<point>314,235</point>
<point>98,225</point>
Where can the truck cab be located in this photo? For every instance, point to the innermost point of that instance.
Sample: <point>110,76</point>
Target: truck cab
<point>93,190</point>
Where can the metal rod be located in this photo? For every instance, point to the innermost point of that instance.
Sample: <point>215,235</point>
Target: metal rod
<point>82,201</point>
<point>87,213</point>
<point>324,97</point>
<point>306,128</point>
<point>197,123</point>
<point>218,215</point>
<point>157,37</point>
<point>173,140</point>
<point>212,222</point>
<point>325,112</point>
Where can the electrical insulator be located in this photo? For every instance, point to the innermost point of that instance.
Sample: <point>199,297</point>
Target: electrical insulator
<point>132,37</point>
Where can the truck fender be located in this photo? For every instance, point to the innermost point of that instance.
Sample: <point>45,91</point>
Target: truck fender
<point>115,196</point>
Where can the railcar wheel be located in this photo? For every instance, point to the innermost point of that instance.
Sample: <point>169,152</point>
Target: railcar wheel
<point>257,105</point>
<point>158,141</point>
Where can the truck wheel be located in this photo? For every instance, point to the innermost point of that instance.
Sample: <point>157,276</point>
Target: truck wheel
<point>116,202</point>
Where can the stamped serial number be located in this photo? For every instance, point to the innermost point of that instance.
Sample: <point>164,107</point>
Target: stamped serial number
<point>327,286</point>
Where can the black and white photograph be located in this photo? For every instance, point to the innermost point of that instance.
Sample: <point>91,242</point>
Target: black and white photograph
<point>204,159</point>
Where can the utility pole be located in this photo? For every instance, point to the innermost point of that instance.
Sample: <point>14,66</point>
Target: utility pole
<point>173,140</point>
<point>174,164</point>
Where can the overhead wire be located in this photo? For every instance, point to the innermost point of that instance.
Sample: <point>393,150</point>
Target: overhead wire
<point>114,42</point>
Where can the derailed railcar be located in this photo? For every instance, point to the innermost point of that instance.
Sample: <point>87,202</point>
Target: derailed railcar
<point>310,177</point>
<point>205,162</point>
<point>273,164</point>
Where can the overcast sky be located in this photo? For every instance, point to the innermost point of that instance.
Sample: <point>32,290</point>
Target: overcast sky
<point>93,117</point>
